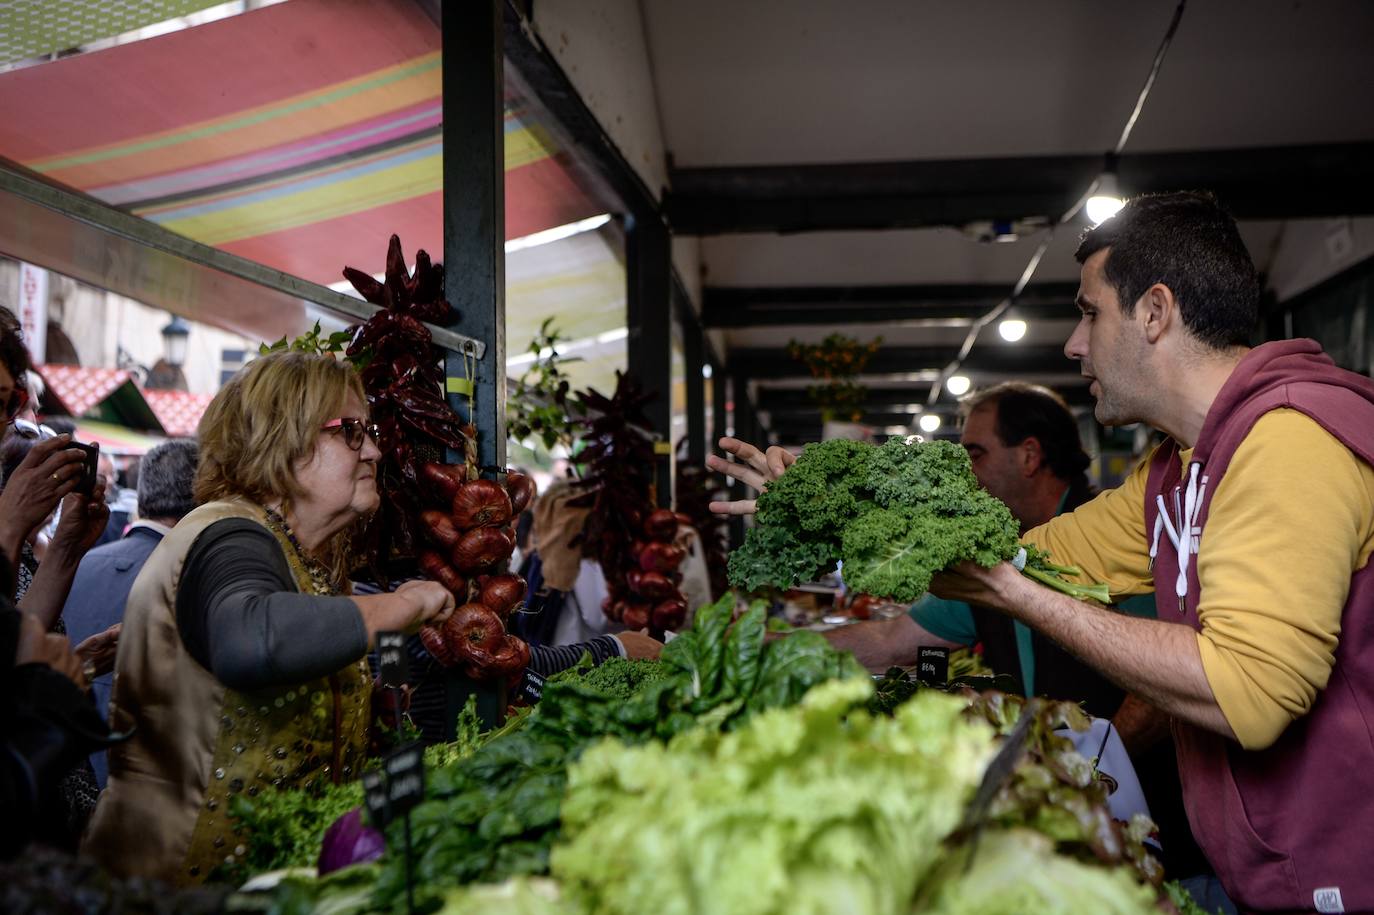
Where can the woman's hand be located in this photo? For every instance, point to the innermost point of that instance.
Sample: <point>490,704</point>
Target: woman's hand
<point>434,603</point>
<point>47,474</point>
<point>83,520</point>
<point>640,645</point>
<point>406,609</point>
<point>97,653</point>
<point>753,468</point>
<point>38,646</point>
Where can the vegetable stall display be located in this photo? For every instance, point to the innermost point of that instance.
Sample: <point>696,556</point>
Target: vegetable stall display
<point>740,775</point>
<point>893,514</point>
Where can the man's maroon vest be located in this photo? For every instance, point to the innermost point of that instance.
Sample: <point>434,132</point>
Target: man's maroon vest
<point>1290,827</point>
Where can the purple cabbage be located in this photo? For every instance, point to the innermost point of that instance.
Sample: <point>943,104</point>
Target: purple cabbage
<point>348,841</point>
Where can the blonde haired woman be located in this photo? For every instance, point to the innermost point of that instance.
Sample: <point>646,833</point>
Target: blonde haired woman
<point>242,660</point>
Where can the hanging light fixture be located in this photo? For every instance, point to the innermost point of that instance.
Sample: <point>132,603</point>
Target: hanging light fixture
<point>1012,329</point>
<point>958,385</point>
<point>1106,199</point>
<point>929,422</point>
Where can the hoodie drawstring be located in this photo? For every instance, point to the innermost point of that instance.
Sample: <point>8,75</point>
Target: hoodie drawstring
<point>1182,535</point>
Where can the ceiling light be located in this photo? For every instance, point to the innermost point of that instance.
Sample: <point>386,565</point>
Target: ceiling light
<point>1012,329</point>
<point>1106,200</point>
<point>930,422</point>
<point>957,385</point>
<point>706,370</point>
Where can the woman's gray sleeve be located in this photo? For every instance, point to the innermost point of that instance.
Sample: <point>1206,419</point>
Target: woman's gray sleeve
<point>241,617</point>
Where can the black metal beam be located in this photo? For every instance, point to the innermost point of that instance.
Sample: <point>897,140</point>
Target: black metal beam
<point>474,212</point>
<point>693,358</point>
<point>569,115</point>
<point>738,306</point>
<point>1285,182</point>
<point>768,363</point>
<point>648,315</point>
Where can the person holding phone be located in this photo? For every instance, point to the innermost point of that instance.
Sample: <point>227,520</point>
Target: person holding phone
<point>41,472</point>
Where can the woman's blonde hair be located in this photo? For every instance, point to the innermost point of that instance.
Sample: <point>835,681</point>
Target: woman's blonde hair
<point>262,422</point>
<point>265,420</point>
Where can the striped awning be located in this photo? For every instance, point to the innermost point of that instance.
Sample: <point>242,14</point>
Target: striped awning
<point>300,135</point>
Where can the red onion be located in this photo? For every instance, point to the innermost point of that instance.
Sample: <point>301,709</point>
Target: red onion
<point>502,593</point>
<point>661,525</point>
<point>661,557</point>
<point>481,503</point>
<point>482,548</point>
<point>655,586</point>
<point>439,528</point>
<point>636,615</point>
<point>669,614</point>
<point>443,479</point>
<point>522,491</point>
<point>436,568</point>
<point>473,631</point>
<point>434,643</point>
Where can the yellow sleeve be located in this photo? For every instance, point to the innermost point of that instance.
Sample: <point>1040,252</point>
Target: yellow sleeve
<point>1105,537</point>
<point>1290,522</point>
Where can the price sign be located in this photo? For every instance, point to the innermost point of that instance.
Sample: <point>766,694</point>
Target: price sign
<point>932,665</point>
<point>374,795</point>
<point>392,661</point>
<point>397,786</point>
<point>531,687</point>
<point>405,774</point>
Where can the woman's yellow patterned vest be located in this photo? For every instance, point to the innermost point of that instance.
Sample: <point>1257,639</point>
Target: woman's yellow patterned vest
<point>197,744</point>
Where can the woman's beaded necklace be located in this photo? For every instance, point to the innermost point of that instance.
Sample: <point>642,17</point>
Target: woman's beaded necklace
<point>321,582</point>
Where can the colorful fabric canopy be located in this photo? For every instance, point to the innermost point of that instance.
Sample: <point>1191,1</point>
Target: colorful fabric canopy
<point>300,135</point>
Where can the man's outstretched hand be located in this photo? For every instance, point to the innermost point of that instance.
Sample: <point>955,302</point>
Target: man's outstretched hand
<point>752,467</point>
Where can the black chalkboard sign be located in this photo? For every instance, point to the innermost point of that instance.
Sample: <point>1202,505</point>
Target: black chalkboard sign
<point>405,774</point>
<point>531,687</point>
<point>397,786</point>
<point>392,661</point>
<point>932,665</point>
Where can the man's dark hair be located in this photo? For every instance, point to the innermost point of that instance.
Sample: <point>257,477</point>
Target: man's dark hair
<point>1031,411</point>
<point>166,478</point>
<point>14,355</point>
<point>1188,242</point>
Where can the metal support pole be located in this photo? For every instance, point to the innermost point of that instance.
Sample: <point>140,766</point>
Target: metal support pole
<point>693,357</point>
<point>648,269</point>
<point>474,213</point>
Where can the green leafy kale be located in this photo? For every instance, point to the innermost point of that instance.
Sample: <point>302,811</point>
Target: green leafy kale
<point>894,514</point>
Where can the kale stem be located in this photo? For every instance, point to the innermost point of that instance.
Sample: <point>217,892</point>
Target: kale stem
<point>1097,592</point>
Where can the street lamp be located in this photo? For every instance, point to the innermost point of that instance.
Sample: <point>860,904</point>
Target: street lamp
<point>174,338</point>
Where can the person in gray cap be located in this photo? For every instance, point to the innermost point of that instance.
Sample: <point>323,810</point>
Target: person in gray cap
<point>96,602</point>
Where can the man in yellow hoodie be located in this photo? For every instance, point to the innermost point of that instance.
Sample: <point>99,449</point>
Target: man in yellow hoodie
<point>1253,522</point>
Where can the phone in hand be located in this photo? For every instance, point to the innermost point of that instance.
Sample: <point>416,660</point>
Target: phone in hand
<point>90,467</point>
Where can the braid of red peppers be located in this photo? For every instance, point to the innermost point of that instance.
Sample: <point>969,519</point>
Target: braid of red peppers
<point>464,538</point>
<point>632,542</point>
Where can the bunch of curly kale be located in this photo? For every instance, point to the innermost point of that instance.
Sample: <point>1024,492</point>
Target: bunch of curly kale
<point>895,514</point>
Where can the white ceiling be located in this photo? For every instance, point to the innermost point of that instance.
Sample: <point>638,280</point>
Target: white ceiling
<point>774,82</point>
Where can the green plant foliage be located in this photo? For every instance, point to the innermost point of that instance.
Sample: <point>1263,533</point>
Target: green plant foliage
<point>538,407</point>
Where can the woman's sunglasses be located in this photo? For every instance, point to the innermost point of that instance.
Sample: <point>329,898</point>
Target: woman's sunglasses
<point>354,431</point>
